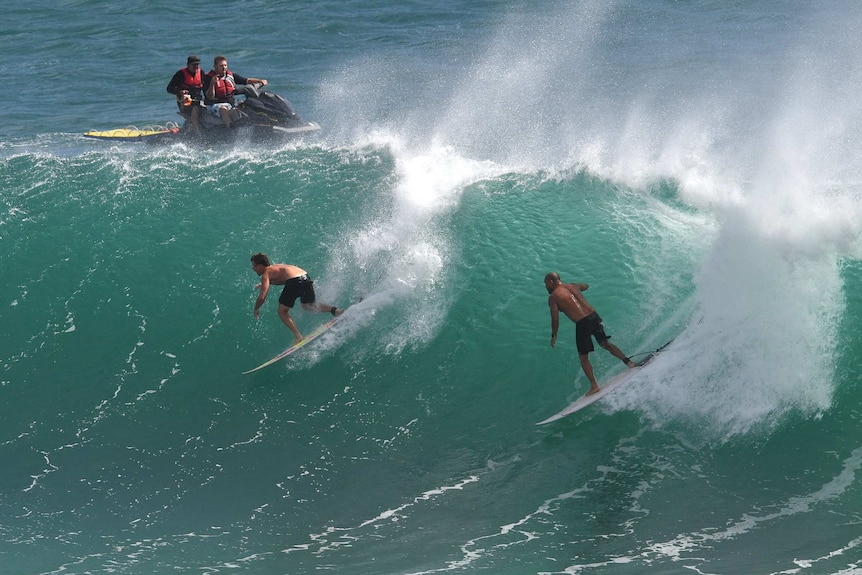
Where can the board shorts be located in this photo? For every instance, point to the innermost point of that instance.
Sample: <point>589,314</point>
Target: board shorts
<point>215,109</point>
<point>299,287</point>
<point>588,328</point>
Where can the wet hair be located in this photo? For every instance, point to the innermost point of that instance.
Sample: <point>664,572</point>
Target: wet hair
<point>552,277</point>
<point>260,260</point>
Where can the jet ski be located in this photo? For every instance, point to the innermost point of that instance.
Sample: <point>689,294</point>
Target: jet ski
<point>260,116</point>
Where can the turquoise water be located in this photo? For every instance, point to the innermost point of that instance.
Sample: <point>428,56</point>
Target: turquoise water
<point>697,163</point>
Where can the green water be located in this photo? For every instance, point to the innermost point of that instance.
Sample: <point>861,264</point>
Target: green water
<point>704,195</point>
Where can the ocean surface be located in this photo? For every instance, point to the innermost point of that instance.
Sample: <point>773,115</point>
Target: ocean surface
<point>697,162</point>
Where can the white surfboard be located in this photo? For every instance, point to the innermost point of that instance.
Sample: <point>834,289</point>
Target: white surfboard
<point>606,388</point>
<point>295,347</point>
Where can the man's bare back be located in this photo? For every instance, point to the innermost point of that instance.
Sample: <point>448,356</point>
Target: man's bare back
<point>279,274</point>
<point>571,301</point>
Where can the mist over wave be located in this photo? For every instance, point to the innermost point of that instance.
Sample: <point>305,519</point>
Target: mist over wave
<point>696,163</point>
<point>765,148</point>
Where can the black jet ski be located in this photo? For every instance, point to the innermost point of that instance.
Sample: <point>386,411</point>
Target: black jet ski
<point>260,116</point>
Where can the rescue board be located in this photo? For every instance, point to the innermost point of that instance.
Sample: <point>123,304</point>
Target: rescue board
<point>606,388</point>
<point>297,346</point>
<point>131,133</point>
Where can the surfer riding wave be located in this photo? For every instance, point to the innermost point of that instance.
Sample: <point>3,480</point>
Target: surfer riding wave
<point>296,284</point>
<point>588,324</point>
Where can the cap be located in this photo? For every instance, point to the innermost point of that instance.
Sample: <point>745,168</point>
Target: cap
<point>193,59</point>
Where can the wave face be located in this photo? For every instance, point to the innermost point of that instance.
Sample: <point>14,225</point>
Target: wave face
<point>696,164</point>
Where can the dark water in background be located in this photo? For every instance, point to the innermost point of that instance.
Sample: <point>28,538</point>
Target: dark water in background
<point>696,163</point>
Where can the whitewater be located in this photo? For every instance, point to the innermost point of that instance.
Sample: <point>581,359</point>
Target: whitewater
<point>696,163</point>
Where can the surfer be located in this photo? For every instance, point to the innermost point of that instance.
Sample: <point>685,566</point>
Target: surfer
<point>570,299</point>
<point>296,284</point>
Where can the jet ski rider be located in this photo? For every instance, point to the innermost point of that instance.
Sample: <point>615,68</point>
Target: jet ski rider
<point>187,85</point>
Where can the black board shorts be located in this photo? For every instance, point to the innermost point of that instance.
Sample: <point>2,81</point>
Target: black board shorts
<point>588,328</point>
<point>299,287</point>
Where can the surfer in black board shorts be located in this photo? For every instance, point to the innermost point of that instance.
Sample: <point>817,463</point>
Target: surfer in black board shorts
<point>296,284</point>
<point>570,299</point>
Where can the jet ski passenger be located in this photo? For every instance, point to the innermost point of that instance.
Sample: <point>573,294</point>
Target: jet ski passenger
<point>219,87</point>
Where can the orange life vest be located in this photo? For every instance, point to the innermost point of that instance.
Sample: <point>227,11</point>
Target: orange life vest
<point>224,87</point>
<point>192,81</point>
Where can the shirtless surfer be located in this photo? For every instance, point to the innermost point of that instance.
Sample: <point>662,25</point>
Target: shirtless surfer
<point>296,284</point>
<point>570,299</point>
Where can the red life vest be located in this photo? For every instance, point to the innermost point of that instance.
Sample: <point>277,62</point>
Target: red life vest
<point>224,87</point>
<point>191,81</point>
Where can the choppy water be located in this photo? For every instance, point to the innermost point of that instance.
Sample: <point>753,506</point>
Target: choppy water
<point>696,163</point>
